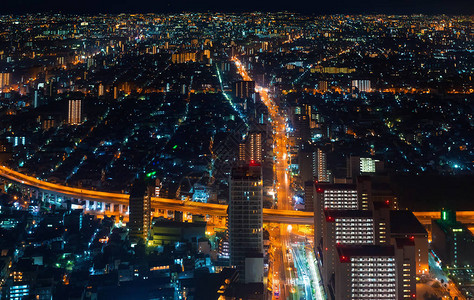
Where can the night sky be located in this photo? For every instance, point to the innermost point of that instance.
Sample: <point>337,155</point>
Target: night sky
<point>465,7</point>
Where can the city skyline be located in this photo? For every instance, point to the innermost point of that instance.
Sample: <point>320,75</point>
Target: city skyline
<point>464,7</point>
<point>224,156</point>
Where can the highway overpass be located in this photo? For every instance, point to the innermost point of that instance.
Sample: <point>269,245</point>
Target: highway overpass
<point>218,210</point>
<point>92,197</point>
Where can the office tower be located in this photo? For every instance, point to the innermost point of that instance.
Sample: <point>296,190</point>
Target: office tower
<point>244,89</point>
<point>452,241</point>
<point>140,210</point>
<point>4,81</point>
<point>255,146</point>
<point>343,227</point>
<point>361,85</point>
<point>245,217</point>
<point>320,169</point>
<point>334,197</point>
<point>74,115</point>
<point>365,272</point>
<point>404,224</point>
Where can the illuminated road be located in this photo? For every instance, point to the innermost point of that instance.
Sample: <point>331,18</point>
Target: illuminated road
<point>305,263</point>
<point>282,183</point>
<point>269,215</point>
<point>280,142</point>
<point>438,274</point>
<point>302,268</point>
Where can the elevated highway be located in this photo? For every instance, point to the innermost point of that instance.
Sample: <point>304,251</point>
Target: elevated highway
<point>219,210</point>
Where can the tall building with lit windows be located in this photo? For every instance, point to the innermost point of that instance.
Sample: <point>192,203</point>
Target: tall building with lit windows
<point>406,267</point>
<point>4,81</point>
<point>365,272</point>
<point>404,224</point>
<point>140,210</point>
<point>333,197</point>
<point>356,165</point>
<point>343,227</point>
<point>246,220</point>
<point>242,152</point>
<point>17,291</point>
<point>251,149</point>
<point>361,85</point>
<point>255,146</point>
<point>320,169</point>
<point>74,112</point>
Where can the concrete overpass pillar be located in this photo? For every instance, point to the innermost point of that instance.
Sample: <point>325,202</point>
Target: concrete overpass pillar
<point>121,208</point>
<point>112,207</point>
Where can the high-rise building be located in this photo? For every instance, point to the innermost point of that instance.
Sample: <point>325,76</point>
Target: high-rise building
<point>334,197</point>
<point>255,146</point>
<point>251,149</point>
<point>452,241</point>
<point>365,272</point>
<point>4,81</point>
<point>404,224</point>
<point>343,227</point>
<point>242,152</point>
<point>245,217</point>
<point>140,210</point>
<point>302,127</point>
<point>320,170</point>
<point>74,115</point>
<point>306,164</point>
<point>406,267</point>
<point>244,89</point>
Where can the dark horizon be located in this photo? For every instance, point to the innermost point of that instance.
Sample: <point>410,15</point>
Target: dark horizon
<point>389,7</point>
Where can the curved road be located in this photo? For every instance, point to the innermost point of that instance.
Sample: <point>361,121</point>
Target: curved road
<point>270,215</point>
